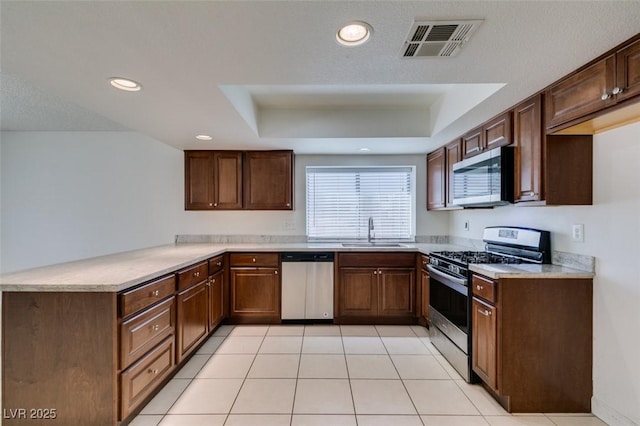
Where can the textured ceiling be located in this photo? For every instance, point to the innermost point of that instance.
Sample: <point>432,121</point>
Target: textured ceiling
<point>57,57</point>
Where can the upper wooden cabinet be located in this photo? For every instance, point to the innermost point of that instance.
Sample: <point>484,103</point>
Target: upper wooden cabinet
<point>268,180</point>
<point>492,134</point>
<point>233,180</point>
<point>440,175</point>
<point>550,169</point>
<point>213,180</point>
<point>606,82</point>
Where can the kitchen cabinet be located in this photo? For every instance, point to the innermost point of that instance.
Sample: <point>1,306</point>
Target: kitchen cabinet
<point>268,180</point>
<point>376,288</point>
<point>531,348</point>
<point>424,288</point>
<point>213,180</point>
<point>440,175</point>
<point>216,292</point>
<point>600,85</point>
<point>549,169</point>
<point>191,309</point>
<point>255,288</point>
<point>492,134</point>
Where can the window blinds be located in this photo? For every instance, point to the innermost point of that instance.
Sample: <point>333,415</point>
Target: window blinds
<point>340,201</point>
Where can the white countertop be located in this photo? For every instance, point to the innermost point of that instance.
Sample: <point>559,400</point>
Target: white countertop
<point>528,270</point>
<point>120,271</point>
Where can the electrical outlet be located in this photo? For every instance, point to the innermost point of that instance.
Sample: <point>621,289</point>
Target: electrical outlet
<point>466,225</point>
<point>577,233</point>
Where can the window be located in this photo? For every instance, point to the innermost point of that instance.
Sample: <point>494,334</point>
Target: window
<point>340,201</point>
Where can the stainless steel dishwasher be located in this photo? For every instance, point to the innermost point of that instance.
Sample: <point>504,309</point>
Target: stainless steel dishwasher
<point>307,286</point>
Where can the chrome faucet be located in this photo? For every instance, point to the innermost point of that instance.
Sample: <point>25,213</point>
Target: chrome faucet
<point>370,228</point>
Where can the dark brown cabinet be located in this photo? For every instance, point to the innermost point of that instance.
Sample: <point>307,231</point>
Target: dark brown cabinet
<point>424,288</point>
<point>549,169</point>
<point>191,309</point>
<point>268,180</point>
<point>530,346</point>
<point>235,180</point>
<point>440,175</point>
<point>602,84</point>
<point>213,180</point>
<point>376,288</point>
<point>216,292</point>
<point>492,134</point>
<point>255,288</point>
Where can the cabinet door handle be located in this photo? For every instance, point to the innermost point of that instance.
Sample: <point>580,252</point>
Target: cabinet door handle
<point>155,293</point>
<point>210,204</point>
<point>215,204</point>
<point>484,312</point>
<point>375,272</point>
<point>617,90</point>
<point>605,96</point>
<point>275,272</point>
<point>288,204</point>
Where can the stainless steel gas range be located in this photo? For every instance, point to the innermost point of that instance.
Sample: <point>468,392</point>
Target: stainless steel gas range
<point>450,295</point>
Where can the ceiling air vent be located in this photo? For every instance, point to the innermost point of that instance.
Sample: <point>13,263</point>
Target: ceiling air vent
<point>438,38</point>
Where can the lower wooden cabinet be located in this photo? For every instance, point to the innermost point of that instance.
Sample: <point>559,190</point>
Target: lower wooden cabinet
<point>255,295</point>
<point>215,297</point>
<point>192,319</point>
<point>532,342</point>
<point>424,288</point>
<point>139,380</point>
<point>376,287</point>
<point>484,343</point>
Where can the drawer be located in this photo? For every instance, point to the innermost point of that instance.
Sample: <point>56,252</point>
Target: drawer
<point>484,288</point>
<point>216,264</point>
<point>254,259</point>
<point>377,260</point>
<point>142,297</point>
<point>137,382</point>
<point>192,275</point>
<point>142,332</point>
<point>424,261</point>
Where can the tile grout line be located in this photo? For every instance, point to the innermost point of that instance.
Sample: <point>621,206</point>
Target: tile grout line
<point>344,353</point>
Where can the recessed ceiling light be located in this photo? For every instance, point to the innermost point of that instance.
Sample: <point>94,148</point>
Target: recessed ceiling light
<point>204,137</point>
<point>354,33</point>
<point>365,149</point>
<point>125,84</point>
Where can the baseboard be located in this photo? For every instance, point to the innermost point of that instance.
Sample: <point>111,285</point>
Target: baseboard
<point>609,415</point>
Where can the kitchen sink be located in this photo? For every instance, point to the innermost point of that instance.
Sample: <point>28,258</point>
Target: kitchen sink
<point>373,245</point>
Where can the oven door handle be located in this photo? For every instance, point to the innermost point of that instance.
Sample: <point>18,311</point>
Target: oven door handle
<point>437,273</point>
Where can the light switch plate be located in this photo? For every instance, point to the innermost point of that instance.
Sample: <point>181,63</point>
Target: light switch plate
<point>577,233</point>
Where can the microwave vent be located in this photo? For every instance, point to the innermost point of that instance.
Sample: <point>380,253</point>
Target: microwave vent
<point>438,38</point>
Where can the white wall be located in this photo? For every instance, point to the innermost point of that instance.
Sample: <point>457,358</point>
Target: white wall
<point>72,195</point>
<point>612,235</point>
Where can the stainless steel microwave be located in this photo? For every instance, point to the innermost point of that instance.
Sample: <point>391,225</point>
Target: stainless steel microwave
<point>485,180</point>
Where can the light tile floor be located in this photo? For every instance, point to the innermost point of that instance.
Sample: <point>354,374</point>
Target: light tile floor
<point>320,375</point>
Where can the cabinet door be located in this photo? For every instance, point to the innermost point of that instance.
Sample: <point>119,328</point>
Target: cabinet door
<point>192,318</point>
<point>498,132</point>
<point>396,292</point>
<point>454,154</point>
<point>198,180</point>
<point>424,282</point>
<point>255,293</point>
<point>473,142</point>
<point>485,339</point>
<point>228,180</point>
<point>528,141</point>
<point>436,175</point>
<point>358,292</point>
<point>581,94</point>
<point>628,71</point>
<point>268,180</point>
<point>216,299</point>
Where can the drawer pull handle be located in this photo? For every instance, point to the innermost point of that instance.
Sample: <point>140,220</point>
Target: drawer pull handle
<point>153,370</point>
<point>219,264</point>
<point>479,287</point>
<point>155,293</point>
<point>253,260</point>
<point>196,274</point>
<point>484,312</point>
<point>155,327</point>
